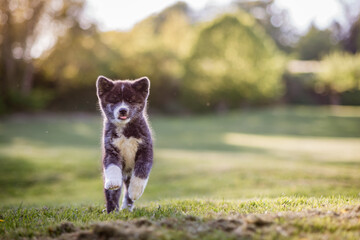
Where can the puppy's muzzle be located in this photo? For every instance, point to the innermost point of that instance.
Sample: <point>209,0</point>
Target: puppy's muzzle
<point>123,113</point>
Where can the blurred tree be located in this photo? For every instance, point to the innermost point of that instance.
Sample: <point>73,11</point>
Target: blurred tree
<point>233,62</point>
<point>73,65</point>
<point>77,59</point>
<point>24,24</point>
<point>170,30</point>
<point>352,40</point>
<point>348,31</point>
<point>315,44</point>
<point>156,47</point>
<point>275,21</point>
<point>339,72</point>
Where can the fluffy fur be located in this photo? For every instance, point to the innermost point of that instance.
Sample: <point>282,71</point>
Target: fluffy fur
<point>127,140</point>
<point>137,187</point>
<point>112,177</point>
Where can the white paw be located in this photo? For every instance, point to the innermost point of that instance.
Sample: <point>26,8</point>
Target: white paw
<point>113,177</point>
<point>113,184</point>
<point>127,206</point>
<point>136,188</point>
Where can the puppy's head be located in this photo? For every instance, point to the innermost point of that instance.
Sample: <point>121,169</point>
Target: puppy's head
<point>122,100</point>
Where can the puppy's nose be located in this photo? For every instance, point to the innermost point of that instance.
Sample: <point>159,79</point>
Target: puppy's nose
<point>123,111</point>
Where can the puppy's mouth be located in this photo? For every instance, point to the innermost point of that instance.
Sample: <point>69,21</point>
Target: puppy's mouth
<point>123,117</point>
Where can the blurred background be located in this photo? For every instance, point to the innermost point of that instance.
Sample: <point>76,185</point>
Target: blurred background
<point>244,95</point>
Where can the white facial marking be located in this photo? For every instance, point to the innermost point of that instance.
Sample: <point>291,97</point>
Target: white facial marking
<point>113,177</point>
<point>128,148</point>
<point>137,186</point>
<point>118,122</point>
<point>116,110</point>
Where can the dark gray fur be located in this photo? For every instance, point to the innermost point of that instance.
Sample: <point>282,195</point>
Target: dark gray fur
<point>134,94</point>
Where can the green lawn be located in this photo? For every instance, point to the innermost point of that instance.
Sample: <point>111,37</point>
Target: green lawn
<point>246,162</point>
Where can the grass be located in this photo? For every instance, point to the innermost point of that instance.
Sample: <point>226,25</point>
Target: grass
<point>275,218</point>
<point>236,165</point>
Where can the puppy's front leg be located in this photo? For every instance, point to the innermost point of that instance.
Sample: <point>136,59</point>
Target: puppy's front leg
<point>140,175</point>
<point>112,178</point>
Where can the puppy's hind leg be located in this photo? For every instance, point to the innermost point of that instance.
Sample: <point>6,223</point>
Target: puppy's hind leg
<point>127,203</point>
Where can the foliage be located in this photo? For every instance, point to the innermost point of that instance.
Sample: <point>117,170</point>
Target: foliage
<point>315,44</point>
<point>22,27</point>
<point>155,47</point>
<point>339,72</point>
<point>162,47</point>
<point>233,62</point>
<point>83,57</point>
<point>276,22</point>
<point>351,97</point>
<point>352,40</point>
<point>349,30</point>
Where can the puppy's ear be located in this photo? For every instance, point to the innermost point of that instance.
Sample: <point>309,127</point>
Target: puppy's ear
<point>103,85</point>
<point>142,85</point>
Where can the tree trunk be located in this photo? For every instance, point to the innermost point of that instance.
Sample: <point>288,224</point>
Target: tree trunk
<point>334,98</point>
<point>28,78</point>
<point>7,63</point>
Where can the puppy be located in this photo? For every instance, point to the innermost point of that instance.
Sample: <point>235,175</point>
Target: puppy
<point>127,141</point>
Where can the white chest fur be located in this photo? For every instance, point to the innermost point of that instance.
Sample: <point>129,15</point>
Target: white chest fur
<point>128,148</point>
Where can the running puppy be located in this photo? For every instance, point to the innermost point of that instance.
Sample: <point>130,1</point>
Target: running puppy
<point>127,142</point>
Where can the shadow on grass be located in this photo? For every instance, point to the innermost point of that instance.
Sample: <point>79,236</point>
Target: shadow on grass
<point>195,132</point>
<point>18,175</point>
<point>355,164</point>
<point>15,173</point>
<point>63,131</point>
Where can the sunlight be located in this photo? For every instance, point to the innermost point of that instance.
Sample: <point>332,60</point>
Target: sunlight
<point>120,15</point>
<point>323,148</point>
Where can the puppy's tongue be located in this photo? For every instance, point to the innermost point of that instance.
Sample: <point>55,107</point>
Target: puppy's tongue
<point>123,117</point>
